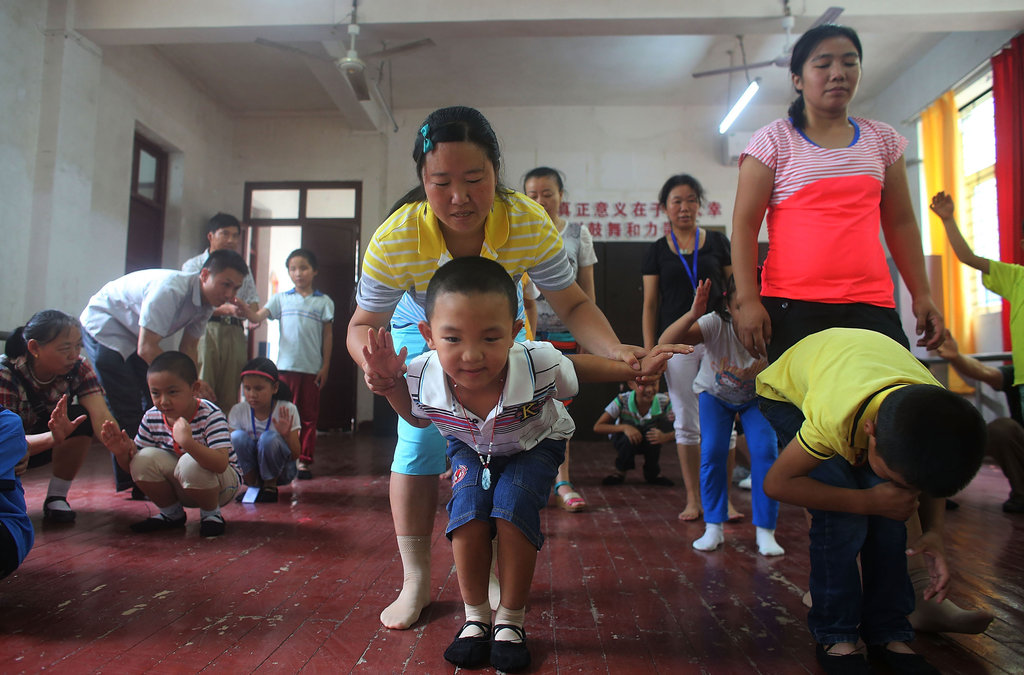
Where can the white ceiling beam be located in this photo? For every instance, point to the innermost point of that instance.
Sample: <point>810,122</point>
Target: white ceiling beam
<point>116,22</point>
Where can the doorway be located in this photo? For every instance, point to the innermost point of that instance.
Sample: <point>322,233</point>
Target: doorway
<point>145,245</point>
<point>324,218</point>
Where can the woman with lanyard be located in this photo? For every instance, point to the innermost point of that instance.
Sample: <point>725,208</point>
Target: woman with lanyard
<point>674,265</point>
<point>40,373</point>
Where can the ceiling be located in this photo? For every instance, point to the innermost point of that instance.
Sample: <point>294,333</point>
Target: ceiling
<point>521,53</point>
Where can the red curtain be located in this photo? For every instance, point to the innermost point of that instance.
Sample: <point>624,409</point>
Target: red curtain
<point>1008,97</point>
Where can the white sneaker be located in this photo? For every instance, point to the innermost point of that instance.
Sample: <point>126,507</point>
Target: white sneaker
<point>744,484</point>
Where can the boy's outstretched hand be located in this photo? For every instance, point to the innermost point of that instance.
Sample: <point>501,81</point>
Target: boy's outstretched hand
<point>656,361</point>
<point>930,546</point>
<point>382,367</point>
<point>60,425</point>
<point>117,441</point>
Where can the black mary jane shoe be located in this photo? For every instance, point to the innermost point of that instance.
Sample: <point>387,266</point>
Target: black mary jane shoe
<point>508,656</point>
<point>841,664</point>
<point>470,652</point>
<point>57,515</point>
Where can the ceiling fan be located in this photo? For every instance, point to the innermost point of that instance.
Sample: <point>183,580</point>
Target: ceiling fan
<point>351,65</point>
<point>782,60</point>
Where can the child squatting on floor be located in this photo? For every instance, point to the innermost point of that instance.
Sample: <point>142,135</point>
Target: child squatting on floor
<point>496,401</point>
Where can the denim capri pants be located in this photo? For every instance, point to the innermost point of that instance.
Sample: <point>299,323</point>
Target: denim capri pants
<point>520,485</point>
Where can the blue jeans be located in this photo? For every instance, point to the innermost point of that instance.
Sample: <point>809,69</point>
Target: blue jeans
<point>520,487</point>
<point>843,609</point>
<point>269,457</point>
<point>716,422</point>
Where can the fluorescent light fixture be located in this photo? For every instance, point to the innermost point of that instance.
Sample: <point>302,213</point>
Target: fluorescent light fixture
<point>740,105</point>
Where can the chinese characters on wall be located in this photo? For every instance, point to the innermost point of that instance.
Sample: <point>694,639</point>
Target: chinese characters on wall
<point>626,221</point>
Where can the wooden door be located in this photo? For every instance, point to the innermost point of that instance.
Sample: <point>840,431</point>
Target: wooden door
<point>335,247</point>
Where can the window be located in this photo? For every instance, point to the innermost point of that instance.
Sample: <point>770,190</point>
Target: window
<point>980,225</point>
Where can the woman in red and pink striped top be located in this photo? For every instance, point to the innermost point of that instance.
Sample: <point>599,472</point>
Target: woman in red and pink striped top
<point>827,180</point>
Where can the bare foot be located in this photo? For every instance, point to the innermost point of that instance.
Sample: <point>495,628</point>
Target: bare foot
<point>691,512</point>
<point>734,514</point>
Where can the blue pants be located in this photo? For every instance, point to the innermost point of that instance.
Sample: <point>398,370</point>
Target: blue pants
<point>716,422</point>
<point>269,457</point>
<point>843,609</point>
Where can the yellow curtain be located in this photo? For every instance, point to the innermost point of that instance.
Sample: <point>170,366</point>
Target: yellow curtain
<point>943,171</point>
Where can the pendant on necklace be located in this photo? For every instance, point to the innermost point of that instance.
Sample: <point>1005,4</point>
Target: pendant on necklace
<point>485,475</point>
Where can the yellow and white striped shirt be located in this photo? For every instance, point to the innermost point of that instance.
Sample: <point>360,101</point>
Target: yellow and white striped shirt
<point>407,249</point>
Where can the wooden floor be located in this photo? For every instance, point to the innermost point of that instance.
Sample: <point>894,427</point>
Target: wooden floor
<point>298,585</point>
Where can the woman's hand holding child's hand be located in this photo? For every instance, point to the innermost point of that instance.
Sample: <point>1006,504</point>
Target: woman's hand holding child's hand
<point>283,422</point>
<point>60,425</point>
<point>382,367</point>
<point>656,361</point>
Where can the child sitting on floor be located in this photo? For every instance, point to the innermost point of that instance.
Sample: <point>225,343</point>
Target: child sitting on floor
<point>265,430</point>
<point>182,454</point>
<point>496,401</point>
<point>638,422</point>
<point>870,436</point>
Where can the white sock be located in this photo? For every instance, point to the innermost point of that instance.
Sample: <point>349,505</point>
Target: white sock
<point>493,587</point>
<point>712,539</point>
<point>415,595</point>
<point>210,515</point>
<point>512,617</point>
<point>766,544</point>
<point>481,613</point>
<point>172,512</point>
<point>58,488</point>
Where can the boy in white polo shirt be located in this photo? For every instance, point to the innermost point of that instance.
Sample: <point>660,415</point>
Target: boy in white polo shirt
<point>497,403</point>
<point>125,321</point>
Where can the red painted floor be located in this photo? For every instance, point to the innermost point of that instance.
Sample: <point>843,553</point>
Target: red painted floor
<point>298,585</point>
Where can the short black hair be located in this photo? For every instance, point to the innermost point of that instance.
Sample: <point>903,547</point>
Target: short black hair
<point>675,181</point>
<point>545,172</point>
<point>222,220</point>
<point>932,437</point>
<point>225,259</point>
<point>303,253</point>
<point>176,363</point>
<point>470,275</point>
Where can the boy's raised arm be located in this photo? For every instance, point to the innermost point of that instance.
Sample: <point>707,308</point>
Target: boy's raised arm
<point>684,329</point>
<point>942,205</point>
<point>385,374</point>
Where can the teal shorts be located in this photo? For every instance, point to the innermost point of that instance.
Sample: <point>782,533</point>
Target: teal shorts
<point>419,451</point>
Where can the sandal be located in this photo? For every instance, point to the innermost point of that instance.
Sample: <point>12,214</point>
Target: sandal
<point>570,501</point>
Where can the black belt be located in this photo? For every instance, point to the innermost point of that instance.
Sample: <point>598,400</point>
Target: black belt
<point>229,320</point>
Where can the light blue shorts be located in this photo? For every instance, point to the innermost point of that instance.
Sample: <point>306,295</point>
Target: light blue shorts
<point>419,451</point>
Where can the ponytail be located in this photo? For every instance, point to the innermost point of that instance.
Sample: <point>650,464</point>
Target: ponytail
<point>16,344</point>
<point>796,112</point>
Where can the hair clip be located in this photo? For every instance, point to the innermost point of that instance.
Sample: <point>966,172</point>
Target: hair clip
<point>427,145</point>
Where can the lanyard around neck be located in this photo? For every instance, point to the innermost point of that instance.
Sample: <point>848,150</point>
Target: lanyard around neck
<point>252,415</point>
<point>692,273</point>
